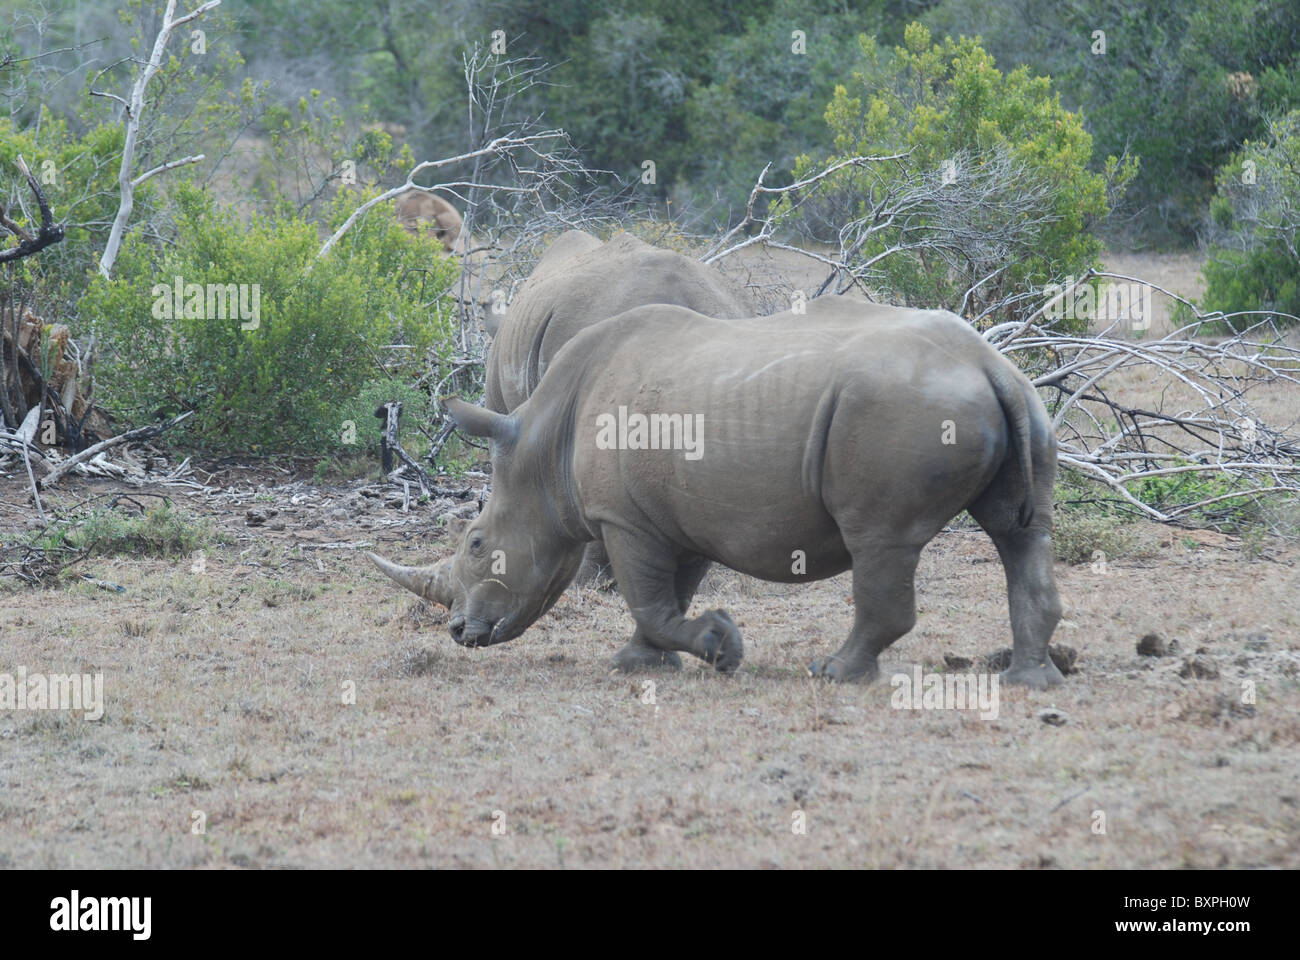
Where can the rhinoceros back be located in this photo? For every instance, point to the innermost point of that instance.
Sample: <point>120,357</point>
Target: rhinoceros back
<point>580,285</point>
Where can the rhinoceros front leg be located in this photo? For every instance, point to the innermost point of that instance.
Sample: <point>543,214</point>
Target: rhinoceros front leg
<point>639,653</point>
<point>647,573</point>
<point>884,600</point>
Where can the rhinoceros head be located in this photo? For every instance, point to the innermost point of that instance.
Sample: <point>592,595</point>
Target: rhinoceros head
<point>514,560</point>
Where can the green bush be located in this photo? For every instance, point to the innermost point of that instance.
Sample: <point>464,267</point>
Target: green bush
<point>1233,514</point>
<point>1083,535</point>
<point>78,175</point>
<point>196,104</point>
<point>1181,83</point>
<point>160,532</point>
<point>1254,227</point>
<point>417,408</point>
<point>271,383</point>
<point>942,101</point>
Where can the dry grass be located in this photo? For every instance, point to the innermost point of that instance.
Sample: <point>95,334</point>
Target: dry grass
<point>225,695</point>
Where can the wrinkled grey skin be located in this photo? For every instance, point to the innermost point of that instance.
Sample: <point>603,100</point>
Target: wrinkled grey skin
<point>823,433</point>
<point>578,282</point>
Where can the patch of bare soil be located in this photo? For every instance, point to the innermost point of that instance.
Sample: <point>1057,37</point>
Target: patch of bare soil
<point>293,702</point>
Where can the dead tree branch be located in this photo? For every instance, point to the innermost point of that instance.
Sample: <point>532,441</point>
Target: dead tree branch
<point>962,222</point>
<point>133,108</point>
<point>140,433</point>
<point>49,233</point>
<point>1203,422</point>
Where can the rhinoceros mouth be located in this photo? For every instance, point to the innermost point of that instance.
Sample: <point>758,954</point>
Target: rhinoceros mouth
<point>487,634</point>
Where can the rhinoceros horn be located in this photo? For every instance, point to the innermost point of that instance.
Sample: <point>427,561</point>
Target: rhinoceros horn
<point>432,582</point>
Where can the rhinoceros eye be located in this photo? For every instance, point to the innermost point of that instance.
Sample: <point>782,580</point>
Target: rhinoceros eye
<point>475,542</point>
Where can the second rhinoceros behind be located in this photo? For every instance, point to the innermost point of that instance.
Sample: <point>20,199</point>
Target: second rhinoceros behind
<point>789,447</point>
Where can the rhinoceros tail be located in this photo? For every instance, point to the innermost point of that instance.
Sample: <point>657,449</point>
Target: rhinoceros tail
<point>1016,409</point>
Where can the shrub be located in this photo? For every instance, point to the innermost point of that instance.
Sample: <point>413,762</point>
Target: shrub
<point>1234,514</point>
<point>78,176</point>
<point>270,383</point>
<point>1254,227</point>
<point>1079,535</point>
<point>947,101</point>
<point>417,408</point>
<point>160,532</point>
<point>1180,83</point>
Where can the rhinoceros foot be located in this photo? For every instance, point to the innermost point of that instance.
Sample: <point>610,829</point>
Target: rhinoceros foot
<point>637,654</point>
<point>845,669</point>
<point>719,641</point>
<point>1039,676</point>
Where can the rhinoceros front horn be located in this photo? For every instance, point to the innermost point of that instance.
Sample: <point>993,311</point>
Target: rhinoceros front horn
<point>432,582</point>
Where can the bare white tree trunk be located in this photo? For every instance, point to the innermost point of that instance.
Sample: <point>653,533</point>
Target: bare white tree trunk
<point>127,184</point>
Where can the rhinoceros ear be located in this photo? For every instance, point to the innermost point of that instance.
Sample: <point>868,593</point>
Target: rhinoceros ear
<point>481,422</point>
<point>491,323</point>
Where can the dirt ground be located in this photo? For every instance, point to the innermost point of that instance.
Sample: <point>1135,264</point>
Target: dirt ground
<point>227,679</point>
<point>225,684</point>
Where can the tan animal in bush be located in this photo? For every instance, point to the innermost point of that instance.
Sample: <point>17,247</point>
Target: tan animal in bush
<point>418,211</point>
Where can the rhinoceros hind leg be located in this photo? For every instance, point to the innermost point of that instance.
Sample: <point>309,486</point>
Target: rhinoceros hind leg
<point>1035,607</point>
<point>1027,559</point>
<point>885,609</point>
<point>1038,676</point>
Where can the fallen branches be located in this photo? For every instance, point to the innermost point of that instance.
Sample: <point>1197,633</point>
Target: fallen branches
<point>1194,448</point>
<point>36,564</point>
<point>771,217</point>
<point>140,433</point>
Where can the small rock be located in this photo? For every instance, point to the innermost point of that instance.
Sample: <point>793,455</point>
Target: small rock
<point>1053,717</point>
<point>1154,645</point>
<point>999,660</point>
<point>1199,668</point>
<point>259,515</point>
<point>1063,655</point>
